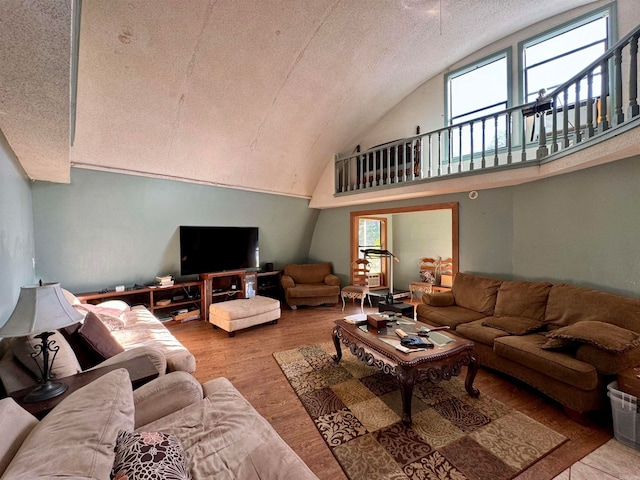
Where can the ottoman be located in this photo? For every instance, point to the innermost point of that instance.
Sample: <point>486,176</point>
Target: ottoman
<point>234,315</point>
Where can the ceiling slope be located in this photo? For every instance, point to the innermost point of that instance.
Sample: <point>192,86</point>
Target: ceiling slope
<point>256,95</point>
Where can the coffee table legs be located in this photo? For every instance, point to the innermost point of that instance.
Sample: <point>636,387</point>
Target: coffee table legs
<point>407,379</point>
<point>336,342</point>
<point>472,369</point>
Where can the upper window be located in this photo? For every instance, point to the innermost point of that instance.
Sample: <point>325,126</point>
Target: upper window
<point>479,89</point>
<point>554,57</point>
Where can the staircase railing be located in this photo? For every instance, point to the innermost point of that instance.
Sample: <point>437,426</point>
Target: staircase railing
<point>585,107</point>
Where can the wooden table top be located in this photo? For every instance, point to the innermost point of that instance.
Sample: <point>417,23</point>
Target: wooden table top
<point>374,340</point>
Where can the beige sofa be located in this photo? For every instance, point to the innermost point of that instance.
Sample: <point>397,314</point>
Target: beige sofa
<point>310,284</point>
<point>136,330</point>
<point>566,341</point>
<point>219,434</point>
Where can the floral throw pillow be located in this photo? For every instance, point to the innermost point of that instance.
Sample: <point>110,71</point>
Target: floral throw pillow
<point>427,276</point>
<point>149,455</point>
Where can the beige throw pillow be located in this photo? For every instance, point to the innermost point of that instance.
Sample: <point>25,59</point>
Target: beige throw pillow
<point>76,439</point>
<point>64,365</point>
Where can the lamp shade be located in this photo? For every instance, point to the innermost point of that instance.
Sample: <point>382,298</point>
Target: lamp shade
<point>40,308</point>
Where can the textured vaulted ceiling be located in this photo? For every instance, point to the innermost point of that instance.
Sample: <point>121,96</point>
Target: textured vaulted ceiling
<point>249,94</point>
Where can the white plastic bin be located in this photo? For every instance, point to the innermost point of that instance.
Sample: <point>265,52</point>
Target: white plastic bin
<point>626,419</point>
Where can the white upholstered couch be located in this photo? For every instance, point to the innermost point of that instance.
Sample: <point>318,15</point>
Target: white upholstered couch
<point>136,331</point>
<point>219,434</point>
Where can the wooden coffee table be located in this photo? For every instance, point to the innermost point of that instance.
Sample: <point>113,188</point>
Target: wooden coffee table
<point>436,364</point>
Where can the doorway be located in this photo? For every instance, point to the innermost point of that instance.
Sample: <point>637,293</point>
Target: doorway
<point>410,233</point>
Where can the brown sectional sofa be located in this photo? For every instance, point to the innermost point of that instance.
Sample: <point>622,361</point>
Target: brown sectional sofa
<point>566,341</point>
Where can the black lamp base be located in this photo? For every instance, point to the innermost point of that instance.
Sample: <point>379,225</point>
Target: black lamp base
<point>45,392</point>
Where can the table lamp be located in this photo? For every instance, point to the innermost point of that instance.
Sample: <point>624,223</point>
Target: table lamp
<point>41,309</point>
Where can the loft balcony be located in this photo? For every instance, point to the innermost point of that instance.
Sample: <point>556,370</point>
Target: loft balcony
<point>594,106</point>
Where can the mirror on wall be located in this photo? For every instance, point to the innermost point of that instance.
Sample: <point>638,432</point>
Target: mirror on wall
<point>410,233</point>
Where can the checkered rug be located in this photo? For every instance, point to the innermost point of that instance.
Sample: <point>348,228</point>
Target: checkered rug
<point>357,409</point>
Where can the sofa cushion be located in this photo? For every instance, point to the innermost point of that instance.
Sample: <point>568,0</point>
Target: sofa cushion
<point>604,336</point>
<point>15,424</point>
<point>224,437</point>
<point>308,273</point>
<point>80,433</point>
<point>142,328</point>
<point>451,316</point>
<point>65,364</point>
<point>476,293</point>
<point>526,350</point>
<point>149,455</point>
<point>514,325</point>
<point>479,333</point>
<point>560,344</point>
<point>522,299</point>
<point>569,304</point>
<point>304,290</point>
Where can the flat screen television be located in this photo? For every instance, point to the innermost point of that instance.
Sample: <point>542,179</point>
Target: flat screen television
<point>217,249</point>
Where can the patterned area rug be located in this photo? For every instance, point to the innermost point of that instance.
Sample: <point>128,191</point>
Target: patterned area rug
<point>357,409</point>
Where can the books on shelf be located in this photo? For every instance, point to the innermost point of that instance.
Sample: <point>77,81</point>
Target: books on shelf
<point>165,281</point>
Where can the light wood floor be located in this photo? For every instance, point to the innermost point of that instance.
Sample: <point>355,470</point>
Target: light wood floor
<point>247,361</point>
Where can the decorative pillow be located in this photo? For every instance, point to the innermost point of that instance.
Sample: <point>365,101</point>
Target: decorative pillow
<point>604,336</point>
<point>76,439</point>
<point>98,337</point>
<point>149,455</point>
<point>64,365</point>
<point>427,277</point>
<point>111,322</point>
<point>560,344</point>
<point>514,325</point>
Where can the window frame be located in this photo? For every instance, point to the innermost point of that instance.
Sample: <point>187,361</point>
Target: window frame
<point>506,53</point>
<point>609,10</point>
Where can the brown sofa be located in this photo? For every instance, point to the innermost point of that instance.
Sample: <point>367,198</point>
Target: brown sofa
<point>566,341</point>
<point>310,284</point>
<point>219,434</point>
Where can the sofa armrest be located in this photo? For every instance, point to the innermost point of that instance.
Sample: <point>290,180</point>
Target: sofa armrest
<point>287,281</point>
<point>165,395</point>
<point>441,299</point>
<point>156,356</point>
<point>608,363</point>
<point>332,279</point>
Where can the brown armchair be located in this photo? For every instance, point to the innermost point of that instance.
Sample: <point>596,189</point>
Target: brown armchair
<point>310,284</point>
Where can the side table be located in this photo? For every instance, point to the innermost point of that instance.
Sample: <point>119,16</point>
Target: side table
<point>141,370</point>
